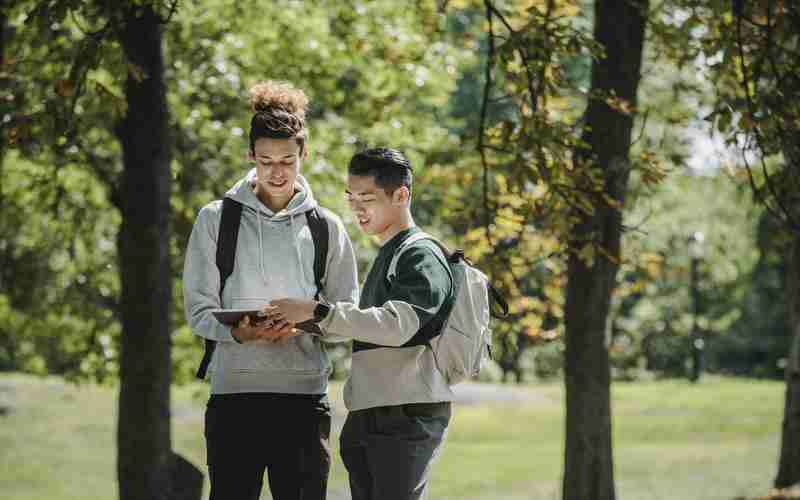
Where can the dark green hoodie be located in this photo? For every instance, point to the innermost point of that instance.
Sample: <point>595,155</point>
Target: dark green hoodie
<point>391,362</point>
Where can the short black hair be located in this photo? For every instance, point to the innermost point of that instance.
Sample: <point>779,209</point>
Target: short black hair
<point>389,167</point>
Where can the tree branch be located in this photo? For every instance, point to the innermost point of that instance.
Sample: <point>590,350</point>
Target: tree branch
<point>745,82</point>
<point>492,10</point>
<point>490,61</point>
<point>172,9</point>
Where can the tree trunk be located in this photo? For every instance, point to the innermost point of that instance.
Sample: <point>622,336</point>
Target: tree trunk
<point>4,87</point>
<point>588,463</point>
<point>7,349</point>
<point>144,453</point>
<point>789,462</point>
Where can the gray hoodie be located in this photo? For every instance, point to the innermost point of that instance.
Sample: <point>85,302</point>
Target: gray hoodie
<point>274,259</point>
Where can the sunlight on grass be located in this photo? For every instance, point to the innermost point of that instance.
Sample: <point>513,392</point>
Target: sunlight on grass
<point>673,440</point>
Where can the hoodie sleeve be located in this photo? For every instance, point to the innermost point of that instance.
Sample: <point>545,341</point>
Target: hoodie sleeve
<point>418,292</point>
<point>201,277</point>
<point>341,275</point>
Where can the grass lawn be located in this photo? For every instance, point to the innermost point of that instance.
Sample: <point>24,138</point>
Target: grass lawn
<point>672,440</point>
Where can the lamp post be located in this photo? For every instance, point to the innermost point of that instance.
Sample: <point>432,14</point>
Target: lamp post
<point>696,343</point>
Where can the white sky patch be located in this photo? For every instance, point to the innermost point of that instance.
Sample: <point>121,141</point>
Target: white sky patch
<point>709,152</point>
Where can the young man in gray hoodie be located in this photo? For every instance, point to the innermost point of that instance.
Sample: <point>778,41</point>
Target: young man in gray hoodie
<point>268,407</point>
<point>399,402</point>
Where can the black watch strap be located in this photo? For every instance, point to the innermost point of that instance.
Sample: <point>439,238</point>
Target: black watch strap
<point>321,312</point>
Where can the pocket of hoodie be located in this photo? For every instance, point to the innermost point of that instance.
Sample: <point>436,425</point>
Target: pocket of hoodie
<point>294,355</point>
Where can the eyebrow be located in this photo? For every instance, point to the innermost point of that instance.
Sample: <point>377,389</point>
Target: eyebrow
<point>362,193</point>
<point>291,155</point>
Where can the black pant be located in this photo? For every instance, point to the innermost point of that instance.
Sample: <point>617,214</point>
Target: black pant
<point>388,451</point>
<point>286,434</point>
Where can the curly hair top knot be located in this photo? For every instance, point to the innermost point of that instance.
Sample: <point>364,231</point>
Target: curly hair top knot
<point>269,95</point>
<point>279,112</point>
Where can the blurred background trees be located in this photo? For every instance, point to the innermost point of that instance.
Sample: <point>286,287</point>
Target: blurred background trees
<point>417,82</point>
<point>488,99</point>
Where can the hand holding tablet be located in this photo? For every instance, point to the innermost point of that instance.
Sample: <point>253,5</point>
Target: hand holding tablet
<point>258,317</point>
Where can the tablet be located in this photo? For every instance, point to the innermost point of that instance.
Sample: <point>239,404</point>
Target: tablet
<point>231,317</point>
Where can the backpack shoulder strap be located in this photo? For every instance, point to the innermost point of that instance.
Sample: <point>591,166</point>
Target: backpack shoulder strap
<point>229,223</point>
<point>320,233</point>
<point>227,235</point>
<point>392,272</point>
<point>434,328</point>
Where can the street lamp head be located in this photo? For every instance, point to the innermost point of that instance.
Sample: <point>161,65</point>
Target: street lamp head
<point>696,248</point>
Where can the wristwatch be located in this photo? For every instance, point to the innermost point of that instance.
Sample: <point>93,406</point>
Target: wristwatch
<point>321,311</point>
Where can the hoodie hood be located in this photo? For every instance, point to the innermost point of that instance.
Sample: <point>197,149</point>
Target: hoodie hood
<point>301,202</point>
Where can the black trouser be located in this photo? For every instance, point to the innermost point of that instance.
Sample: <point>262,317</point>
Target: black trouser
<point>286,434</point>
<point>388,450</point>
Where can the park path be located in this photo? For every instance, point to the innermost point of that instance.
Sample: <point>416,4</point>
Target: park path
<point>480,393</point>
<point>467,393</point>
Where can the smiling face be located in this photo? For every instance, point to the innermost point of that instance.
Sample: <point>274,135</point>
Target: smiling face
<point>376,211</point>
<point>277,166</point>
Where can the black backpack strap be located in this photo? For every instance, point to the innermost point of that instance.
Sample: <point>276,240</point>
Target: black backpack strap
<point>227,236</point>
<point>226,240</point>
<point>319,232</point>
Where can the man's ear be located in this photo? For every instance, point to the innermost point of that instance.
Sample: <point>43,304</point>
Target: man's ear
<point>250,155</point>
<point>304,153</point>
<point>401,196</point>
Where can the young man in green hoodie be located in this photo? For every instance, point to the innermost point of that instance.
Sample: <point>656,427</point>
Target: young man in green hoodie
<point>399,402</point>
<point>268,407</point>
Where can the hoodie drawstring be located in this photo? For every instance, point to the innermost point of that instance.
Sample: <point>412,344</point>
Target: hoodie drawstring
<point>261,248</point>
<point>295,242</point>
